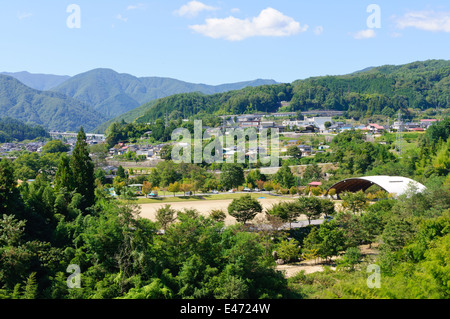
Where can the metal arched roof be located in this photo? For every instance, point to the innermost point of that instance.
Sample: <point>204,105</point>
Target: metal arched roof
<point>392,184</point>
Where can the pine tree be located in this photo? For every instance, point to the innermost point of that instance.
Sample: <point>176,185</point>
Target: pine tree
<point>82,168</point>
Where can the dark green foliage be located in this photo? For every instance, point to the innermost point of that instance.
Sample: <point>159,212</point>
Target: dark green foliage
<point>55,146</point>
<point>284,176</point>
<point>82,169</point>
<point>232,176</point>
<point>244,208</point>
<point>15,130</point>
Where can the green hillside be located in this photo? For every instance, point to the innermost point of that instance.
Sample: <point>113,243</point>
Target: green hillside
<point>382,90</point>
<point>51,110</point>
<point>113,94</point>
<point>15,130</point>
<point>374,91</point>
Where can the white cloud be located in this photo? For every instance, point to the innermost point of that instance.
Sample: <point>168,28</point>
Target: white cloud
<point>365,34</point>
<point>121,18</point>
<point>136,6</point>
<point>318,30</point>
<point>425,20</point>
<point>235,10</point>
<point>193,8</point>
<point>270,22</point>
<point>24,15</point>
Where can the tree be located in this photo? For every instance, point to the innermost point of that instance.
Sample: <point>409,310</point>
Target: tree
<point>232,175</point>
<point>294,151</point>
<point>244,208</point>
<point>288,212</point>
<point>351,258</point>
<point>332,239</point>
<point>354,202</point>
<point>284,176</point>
<point>288,250</point>
<point>174,188</point>
<point>9,194</point>
<point>253,176</point>
<point>121,172</point>
<point>64,175</point>
<point>312,172</point>
<point>55,146</point>
<point>327,207</point>
<point>310,206</point>
<point>83,170</point>
<point>146,188</point>
<point>165,216</point>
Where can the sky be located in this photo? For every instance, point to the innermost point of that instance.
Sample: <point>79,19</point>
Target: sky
<point>218,41</point>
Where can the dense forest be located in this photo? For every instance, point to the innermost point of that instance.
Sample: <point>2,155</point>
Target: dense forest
<point>14,130</point>
<point>413,87</point>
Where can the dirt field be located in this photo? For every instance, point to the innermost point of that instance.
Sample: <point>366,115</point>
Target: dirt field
<point>204,207</point>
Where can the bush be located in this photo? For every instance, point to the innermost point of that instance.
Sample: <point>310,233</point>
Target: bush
<point>288,250</point>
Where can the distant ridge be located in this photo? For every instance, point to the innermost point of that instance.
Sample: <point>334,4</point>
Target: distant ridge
<point>41,82</point>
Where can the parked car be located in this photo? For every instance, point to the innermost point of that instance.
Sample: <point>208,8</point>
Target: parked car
<point>247,189</point>
<point>215,192</point>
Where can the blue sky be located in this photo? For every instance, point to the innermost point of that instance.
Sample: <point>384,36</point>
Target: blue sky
<point>218,41</point>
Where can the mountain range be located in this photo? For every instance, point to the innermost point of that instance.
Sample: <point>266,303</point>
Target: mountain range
<point>101,94</point>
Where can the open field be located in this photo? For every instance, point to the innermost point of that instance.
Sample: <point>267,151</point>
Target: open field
<point>148,210</point>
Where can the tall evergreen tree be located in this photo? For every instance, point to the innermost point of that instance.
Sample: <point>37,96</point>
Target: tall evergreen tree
<point>64,175</point>
<point>82,168</point>
<point>8,190</point>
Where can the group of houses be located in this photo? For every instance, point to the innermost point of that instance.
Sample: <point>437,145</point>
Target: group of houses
<point>7,148</point>
<point>148,151</point>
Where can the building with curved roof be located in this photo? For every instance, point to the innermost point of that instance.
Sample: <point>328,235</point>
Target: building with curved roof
<point>392,184</point>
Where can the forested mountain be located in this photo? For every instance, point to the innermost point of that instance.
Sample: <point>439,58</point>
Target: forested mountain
<point>113,94</point>
<point>41,82</point>
<point>373,91</point>
<point>15,130</point>
<point>382,90</point>
<point>52,110</point>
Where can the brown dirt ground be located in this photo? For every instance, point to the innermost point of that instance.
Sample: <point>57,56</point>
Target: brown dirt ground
<point>204,207</point>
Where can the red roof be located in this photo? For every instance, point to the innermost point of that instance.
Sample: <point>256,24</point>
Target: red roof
<point>315,183</point>
<point>378,127</point>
